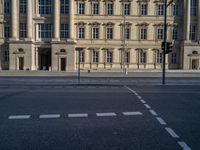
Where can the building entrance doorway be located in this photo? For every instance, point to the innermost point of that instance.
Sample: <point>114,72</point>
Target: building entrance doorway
<point>21,63</point>
<point>44,56</point>
<point>195,64</point>
<point>63,64</point>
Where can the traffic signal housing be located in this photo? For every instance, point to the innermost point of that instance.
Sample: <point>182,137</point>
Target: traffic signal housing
<point>169,46</point>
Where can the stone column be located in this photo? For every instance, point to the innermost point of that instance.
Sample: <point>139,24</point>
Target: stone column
<point>56,20</point>
<point>71,19</point>
<point>198,20</point>
<point>188,20</point>
<point>14,17</point>
<point>29,20</point>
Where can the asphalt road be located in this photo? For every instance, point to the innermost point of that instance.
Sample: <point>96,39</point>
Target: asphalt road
<point>91,117</point>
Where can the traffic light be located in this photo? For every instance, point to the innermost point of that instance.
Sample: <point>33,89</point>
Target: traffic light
<point>169,47</point>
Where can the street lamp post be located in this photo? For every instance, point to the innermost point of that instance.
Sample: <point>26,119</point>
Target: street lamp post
<point>166,4</point>
<point>165,40</point>
<point>79,69</point>
<point>124,37</point>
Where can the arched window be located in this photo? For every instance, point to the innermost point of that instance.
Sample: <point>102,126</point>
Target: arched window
<point>20,50</point>
<point>194,52</point>
<point>63,51</point>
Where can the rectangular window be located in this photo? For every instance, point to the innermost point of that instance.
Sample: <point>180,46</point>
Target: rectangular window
<point>64,6</point>
<point>159,57</point>
<point>143,9</point>
<point>81,56</point>
<point>81,33</point>
<point>127,33</point>
<point>127,9</point>
<point>143,33</point>
<point>175,34</point>
<point>143,57</point>
<point>95,8</point>
<point>109,57</point>
<point>193,9</point>
<point>6,56</point>
<point>175,10</point>
<point>6,7</point>
<point>192,32</point>
<point>126,57</point>
<point>173,58</point>
<point>64,31</point>
<point>95,57</point>
<point>23,6</point>
<point>45,7</point>
<point>23,33</point>
<point>81,9</point>
<point>109,9</point>
<point>44,31</point>
<point>109,34</point>
<point>95,33</point>
<point>160,9</point>
<point>160,34</point>
<point>6,31</point>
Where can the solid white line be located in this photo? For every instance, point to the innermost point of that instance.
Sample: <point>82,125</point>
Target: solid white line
<point>184,146</point>
<point>171,132</point>
<point>77,115</point>
<point>49,116</point>
<point>143,101</point>
<point>139,97</point>
<point>153,112</point>
<point>131,113</point>
<point>161,121</point>
<point>19,117</point>
<point>147,106</point>
<point>106,114</point>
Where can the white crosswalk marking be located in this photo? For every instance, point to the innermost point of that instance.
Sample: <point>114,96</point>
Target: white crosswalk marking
<point>184,146</point>
<point>171,132</point>
<point>77,115</point>
<point>106,114</point>
<point>131,113</point>
<point>49,116</point>
<point>19,117</point>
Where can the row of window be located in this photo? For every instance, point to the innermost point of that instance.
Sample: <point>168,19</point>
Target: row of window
<point>44,7</point>
<point>45,32</point>
<point>109,57</point>
<point>143,34</point>
<point>143,9</point>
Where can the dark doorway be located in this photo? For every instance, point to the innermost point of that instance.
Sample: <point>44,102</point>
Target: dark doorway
<point>44,57</point>
<point>63,64</point>
<point>195,64</point>
<point>21,63</point>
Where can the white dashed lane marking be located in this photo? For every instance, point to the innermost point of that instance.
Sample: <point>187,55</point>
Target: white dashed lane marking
<point>153,112</point>
<point>171,132</point>
<point>49,116</point>
<point>142,101</point>
<point>106,114</point>
<point>19,117</point>
<point>161,121</point>
<point>184,146</point>
<point>147,106</point>
<point>131,113</point>
<point>77,115</point>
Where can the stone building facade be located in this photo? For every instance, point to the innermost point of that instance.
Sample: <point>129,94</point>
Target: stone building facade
<point>103,34</point>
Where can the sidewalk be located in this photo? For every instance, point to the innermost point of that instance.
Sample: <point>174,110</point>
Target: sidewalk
<point>93,73</point>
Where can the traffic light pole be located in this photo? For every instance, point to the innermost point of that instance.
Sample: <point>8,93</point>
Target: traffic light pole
<point>165,41</point>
